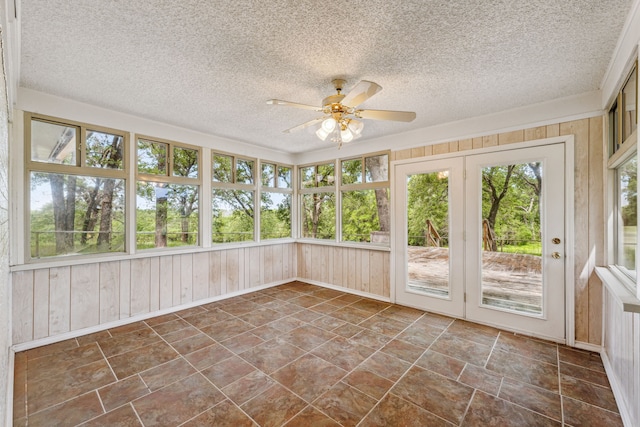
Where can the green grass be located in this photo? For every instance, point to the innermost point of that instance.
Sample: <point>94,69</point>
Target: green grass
<point>533,248</point>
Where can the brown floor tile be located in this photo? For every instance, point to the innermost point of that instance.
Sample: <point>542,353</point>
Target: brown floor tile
<point>307,337</point>
<point>404,314</point>
<point>227,328</point>
<point>394,411</point>
<point>369,383</point>
<point>261,316</point>
<point>224,414</point>
<point>386,366</point>
<point>534,398</point>
<point>439,395</point>
<point>66,385</point>
<point>193,311</point>
<point>420,335</point>
<point>272,355</point>
<point>71,412</point>
<point>370,305</point>
<point>58,363</point>
<point>520,368</point>
<point>242,342</point>
<point>324,308</point>
<point>585,374</point>
<point>583,358</point>
<point>577,413</point>
<point>328,323</point>
<point>309,376</point>
<point>403,350</point>
<point>248,387</point>
<point>588,392</point>
<point>533,349</point>
<point>126,329</point>
<point>266,332</point>
<point>239,308</point>
<point>488,410</point>
<point>480,334</point>
<point>345,404</point>
<point>171,326</point>
<point>306,301</point>
<point>306,315</point>
<point>124,416</point>
<point>436,320</point>
<point>348,330</point>
<point>167,373</point>
<point>90,338</point>
<point>229,370</point>
<point>370,339</point>
<point>141,359</point>
<point>154,321</point>
<point>193,343</point>
<point>209,318</point>
<point>327,294</point>
<point>124,342</point>
<point>462,349</point>
<point>311,417</point>
<point>384,325</point>
<point>181,334</point>
<point>287,324</point>
<point>481,378</point>
<point>343,353</point>
<point>51,349</point>
<point>178,403</point>
<point>121,392</point>
<point>274,407</point>
<point>208,356</point>
<point>350,314</point>
<point>286,295</point>
<point>441,364</point>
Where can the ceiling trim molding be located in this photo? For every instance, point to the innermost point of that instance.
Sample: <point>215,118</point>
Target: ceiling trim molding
<point>546,113</point>
<point>51,105</point>
<point>623,56</point>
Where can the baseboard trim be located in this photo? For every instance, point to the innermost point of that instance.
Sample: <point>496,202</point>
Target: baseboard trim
<point>10,379</point>
<point>625,414</point>
<point>345,290</point>
<point>136,318</point>
<point>588,346</point>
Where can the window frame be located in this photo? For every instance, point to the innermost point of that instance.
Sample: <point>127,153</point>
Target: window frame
<point>79,169</point>
<point>167,178</point>
<point>620,151</point>
<point>233,185</point>
<point>361,186</point>
<point>279,190</point>
<point>301,191</point>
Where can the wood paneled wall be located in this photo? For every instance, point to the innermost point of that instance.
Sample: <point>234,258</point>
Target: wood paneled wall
<point>364,270</point>
<point>51,301</point>
<point>588,203</point>
<point>622,351</point>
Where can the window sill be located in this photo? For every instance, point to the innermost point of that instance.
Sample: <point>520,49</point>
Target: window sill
<point>618,290</point>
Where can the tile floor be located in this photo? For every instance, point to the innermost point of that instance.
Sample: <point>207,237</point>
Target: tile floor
<point>302,355</point>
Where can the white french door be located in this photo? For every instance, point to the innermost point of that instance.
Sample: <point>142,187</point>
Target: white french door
<point>482,237</point>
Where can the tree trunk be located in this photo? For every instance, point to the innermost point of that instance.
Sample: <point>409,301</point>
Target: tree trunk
<point>161,221</point>
<point>70,211</point>
<point>57,194</point>
<point>495,198</point>
<point>90,216</point>
<point>379,169</point>
<point>106,206</point>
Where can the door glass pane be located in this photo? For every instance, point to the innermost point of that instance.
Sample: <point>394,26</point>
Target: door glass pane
<point>511,237</point>
<point>428,233</point>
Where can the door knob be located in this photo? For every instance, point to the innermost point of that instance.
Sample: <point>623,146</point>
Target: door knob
<point>555,241</point>
<point>555,255</point>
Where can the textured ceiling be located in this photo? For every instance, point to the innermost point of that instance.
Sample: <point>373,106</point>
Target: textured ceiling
<point>211,65</point>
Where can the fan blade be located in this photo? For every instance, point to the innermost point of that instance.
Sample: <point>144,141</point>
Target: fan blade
<point>304,125</point>
<point>360,93</point>
<point>397,116</point>
<point>293,104</point>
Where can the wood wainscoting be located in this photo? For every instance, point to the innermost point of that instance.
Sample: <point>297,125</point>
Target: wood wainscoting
<point>54,300</point>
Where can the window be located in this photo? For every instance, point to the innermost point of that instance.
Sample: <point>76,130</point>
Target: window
<point>318,201</point>
<point>275,201</point>
<point>623,166</point>
<point>233,199</point>
<point>364,192</point>
<point>167,190</point>
<point>77,176</point>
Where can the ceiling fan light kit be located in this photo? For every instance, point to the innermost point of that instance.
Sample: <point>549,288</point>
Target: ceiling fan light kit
<point>340,113</point>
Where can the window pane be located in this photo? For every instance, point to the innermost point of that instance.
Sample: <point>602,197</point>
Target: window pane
<point>629,120</point>
<point>326,175</point>
<point>52,143</point>
<point>627,222</point>
<point>268,175</point>
<point>244,171</point>
<point>152,157</point>
<point>222,168</point>
<point>365,216</point>
<point>75,215</point>
<point>307,177</point>
<point>284,177</point>
<point>377,168</point>
<point>275,216</point>
<point>166,215</point>
<point>319,216</point>
<point>232,213</point>
<point>185,162</point>
<point>351,171</point>
<point>104,150</point>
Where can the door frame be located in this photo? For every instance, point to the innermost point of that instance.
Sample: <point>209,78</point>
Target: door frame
<point>569,238</point>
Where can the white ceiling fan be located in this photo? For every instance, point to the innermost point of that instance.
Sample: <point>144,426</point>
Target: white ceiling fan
<point>340,112</point>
